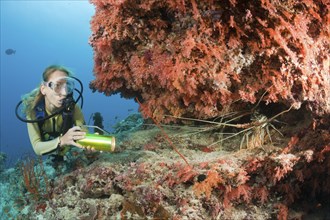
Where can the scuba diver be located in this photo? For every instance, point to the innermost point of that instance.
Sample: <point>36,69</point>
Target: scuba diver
<point>53,118</point>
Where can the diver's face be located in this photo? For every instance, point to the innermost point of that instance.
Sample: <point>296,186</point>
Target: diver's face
<point>54,98</point>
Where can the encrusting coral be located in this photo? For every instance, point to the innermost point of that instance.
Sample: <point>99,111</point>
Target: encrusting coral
<point>203,58</point>
<point>135,183</point>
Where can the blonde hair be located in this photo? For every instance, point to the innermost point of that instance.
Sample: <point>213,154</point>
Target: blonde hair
<point>31,99</point>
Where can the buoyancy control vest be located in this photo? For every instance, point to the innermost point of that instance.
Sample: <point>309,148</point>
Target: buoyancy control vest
<point>67,117</point>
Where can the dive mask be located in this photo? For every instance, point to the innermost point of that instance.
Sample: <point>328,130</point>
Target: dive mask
<point>61,84</point>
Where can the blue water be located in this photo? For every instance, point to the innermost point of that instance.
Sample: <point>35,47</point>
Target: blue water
<point>44,33</point>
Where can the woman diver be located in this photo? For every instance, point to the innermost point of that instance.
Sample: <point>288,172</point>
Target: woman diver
<point>54,119</point>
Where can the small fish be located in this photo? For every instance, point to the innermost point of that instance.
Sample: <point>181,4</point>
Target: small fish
<point>130,109</point>
<point>10,51</point>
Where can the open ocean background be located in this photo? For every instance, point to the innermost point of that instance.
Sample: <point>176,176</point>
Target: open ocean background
<point>44,33</point>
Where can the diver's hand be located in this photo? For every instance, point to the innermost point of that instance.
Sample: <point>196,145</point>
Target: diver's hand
<point>90,149</point>
<point>73,134</point>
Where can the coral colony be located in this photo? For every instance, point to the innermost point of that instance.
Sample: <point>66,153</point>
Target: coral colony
<point>202,59</point>
<point>236,100</point>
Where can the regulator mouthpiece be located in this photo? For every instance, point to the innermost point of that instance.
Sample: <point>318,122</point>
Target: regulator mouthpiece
<point>99,142</point>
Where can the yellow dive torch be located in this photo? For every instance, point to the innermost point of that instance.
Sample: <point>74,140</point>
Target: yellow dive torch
<point>99,142</point>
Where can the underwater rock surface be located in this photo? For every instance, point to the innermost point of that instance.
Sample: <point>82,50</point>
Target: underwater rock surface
<point>286,178</point>
<point>202,59</point>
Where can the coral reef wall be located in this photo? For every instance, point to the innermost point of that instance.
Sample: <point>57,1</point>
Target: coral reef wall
<point>196,58</point>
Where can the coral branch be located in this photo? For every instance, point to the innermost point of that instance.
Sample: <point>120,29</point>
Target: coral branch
<point>35,179</point>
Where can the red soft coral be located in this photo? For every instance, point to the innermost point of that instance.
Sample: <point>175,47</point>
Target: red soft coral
<point>206,57</point>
